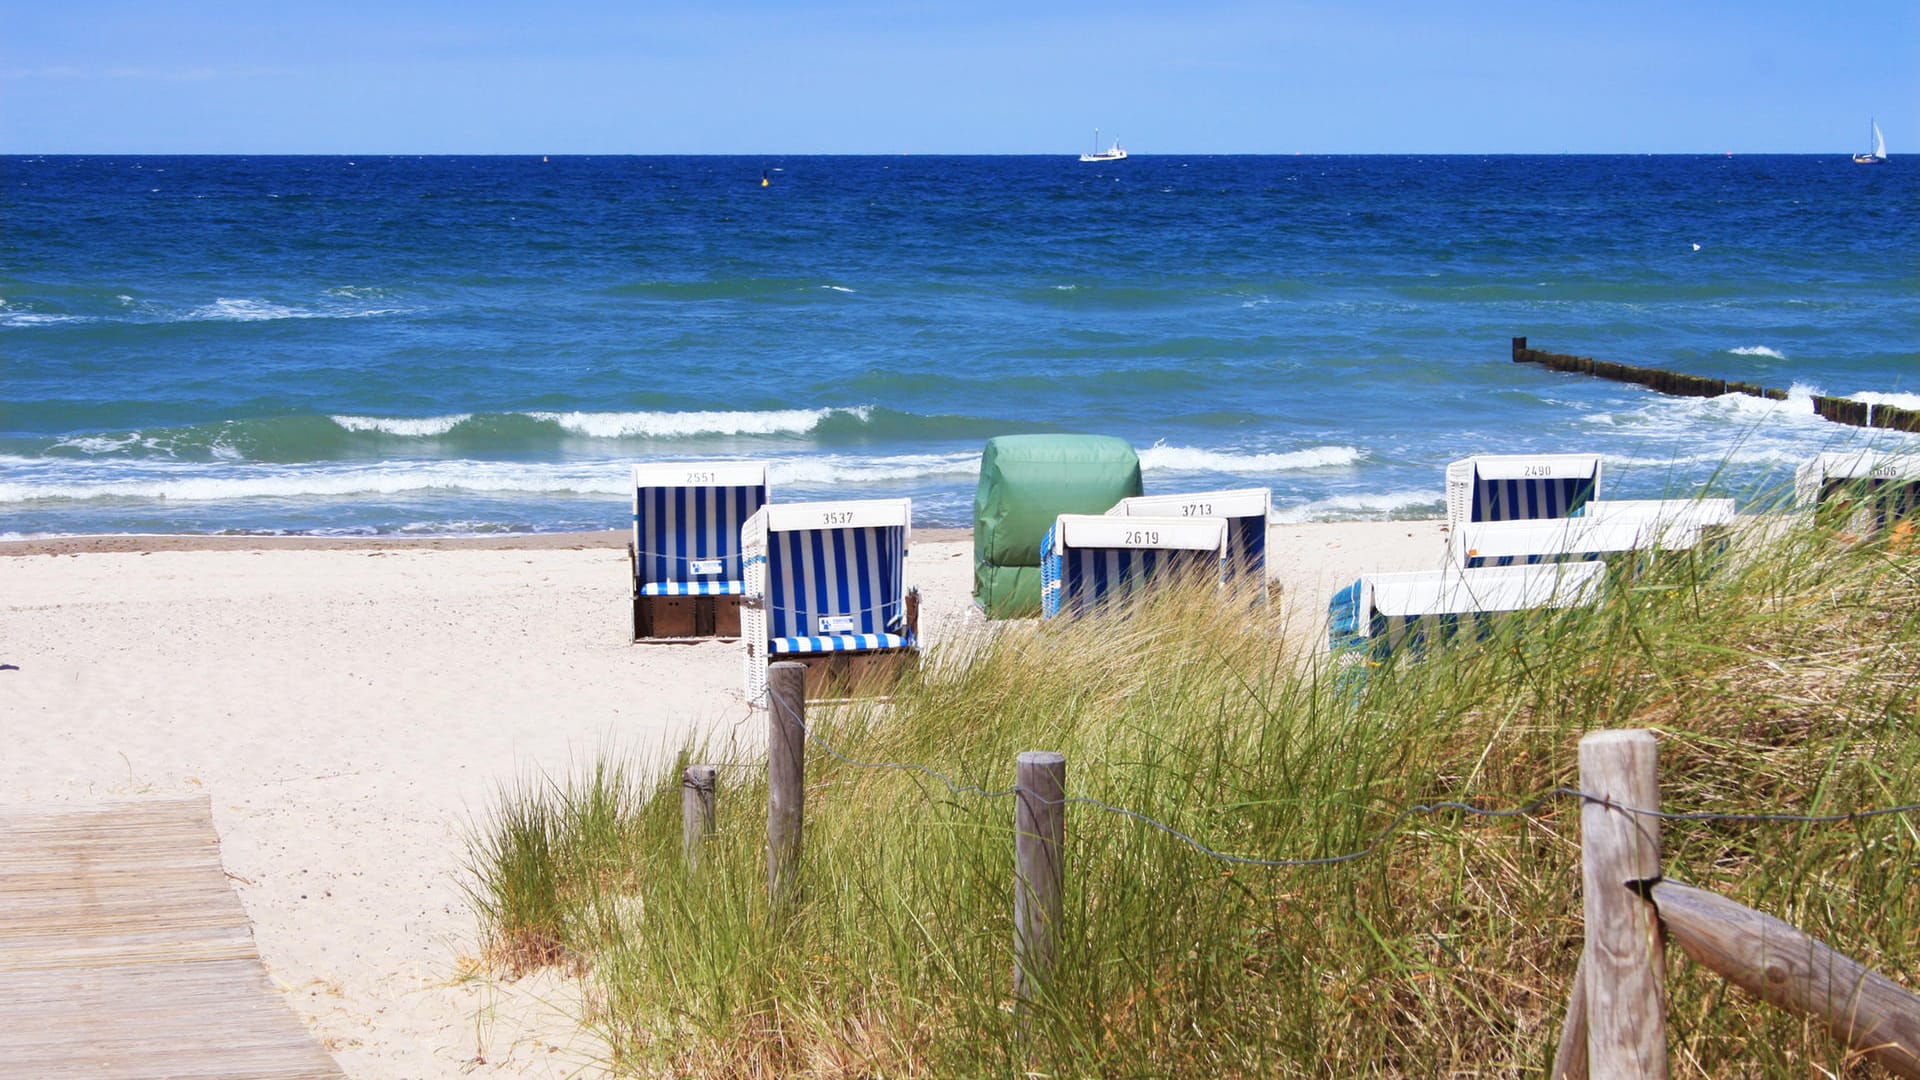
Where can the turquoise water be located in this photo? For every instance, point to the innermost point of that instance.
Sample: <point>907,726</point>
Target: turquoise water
<point>479,345</point>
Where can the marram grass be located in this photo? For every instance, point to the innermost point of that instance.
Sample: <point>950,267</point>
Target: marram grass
<point>1781,676</point>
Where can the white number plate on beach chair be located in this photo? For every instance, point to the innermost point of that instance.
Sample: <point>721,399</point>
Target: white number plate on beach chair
<point>705,566</point>
<point>836,624</point>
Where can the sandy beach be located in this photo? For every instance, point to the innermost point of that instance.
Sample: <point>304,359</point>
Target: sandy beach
<point>353,706</point>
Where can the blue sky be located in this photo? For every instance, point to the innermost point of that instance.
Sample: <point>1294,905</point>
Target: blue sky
<point>902,76</point>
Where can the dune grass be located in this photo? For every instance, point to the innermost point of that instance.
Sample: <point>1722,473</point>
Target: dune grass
<point>1780,677</point>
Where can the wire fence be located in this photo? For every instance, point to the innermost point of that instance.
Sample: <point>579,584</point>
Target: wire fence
<point>1380,837</point>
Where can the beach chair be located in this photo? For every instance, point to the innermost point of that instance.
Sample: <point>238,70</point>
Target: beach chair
<point>1246,511</point>
<point>1520,487</point>
<point>1860,489</point>
<point>826,586</point>
<point>1478,544</point>
<point>685,551</point>
<point>1087,561</point>
<point>1382,614</point>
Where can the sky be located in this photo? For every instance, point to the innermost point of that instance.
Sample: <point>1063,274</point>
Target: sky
<point>982,77</point>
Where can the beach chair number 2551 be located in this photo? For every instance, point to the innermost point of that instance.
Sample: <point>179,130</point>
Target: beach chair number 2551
<point>1138,536</point>
<point>701,478</point>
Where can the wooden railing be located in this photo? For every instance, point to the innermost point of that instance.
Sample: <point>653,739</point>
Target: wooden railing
<point>1616,1022</point>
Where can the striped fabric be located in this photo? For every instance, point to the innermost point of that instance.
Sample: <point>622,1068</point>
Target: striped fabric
<point>1388,634</point>
<point>694,588</point>
<point>1521,500</point>
<point>837,643</point>
<point>1885,501</point>
<point>1091,576</point>
<point>690,536</point>
<point>828,586</point>
<point>1247,546</point>
<point>1477,561</point>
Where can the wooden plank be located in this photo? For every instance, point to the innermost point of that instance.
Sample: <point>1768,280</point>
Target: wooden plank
<point>1791,970</point>
<point>1626,982</point>
<point>125,953</point>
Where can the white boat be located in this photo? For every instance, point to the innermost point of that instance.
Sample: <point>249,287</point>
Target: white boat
<point>1115,154</point>
<point>1876,156</point>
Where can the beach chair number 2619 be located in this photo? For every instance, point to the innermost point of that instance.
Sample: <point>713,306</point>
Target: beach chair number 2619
<point>1141,537</point>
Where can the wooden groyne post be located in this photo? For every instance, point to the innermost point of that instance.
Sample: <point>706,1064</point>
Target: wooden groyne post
<point>1667,382</point>
<point>786,781</point>
<point>1839,410</point>
<point>1039,832</point>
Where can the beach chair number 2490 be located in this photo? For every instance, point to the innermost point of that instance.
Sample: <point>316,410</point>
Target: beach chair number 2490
<point>1539,470</point>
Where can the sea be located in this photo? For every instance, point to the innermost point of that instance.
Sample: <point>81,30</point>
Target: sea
<point>382,345</point>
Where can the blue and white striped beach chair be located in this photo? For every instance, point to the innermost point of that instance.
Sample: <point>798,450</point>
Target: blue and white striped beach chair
<point>1246,511</point>
<point>1520,487</point>
<point>1861,489</point>
<point>1087,561</point>
<point>826,585</point>
<point>1383,614</point>
<point>685,552</point>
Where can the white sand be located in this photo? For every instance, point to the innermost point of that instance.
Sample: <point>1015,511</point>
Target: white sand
<point>351,708</point>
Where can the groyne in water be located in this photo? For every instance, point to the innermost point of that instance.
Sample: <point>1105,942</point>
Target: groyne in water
<point>1839,410</point>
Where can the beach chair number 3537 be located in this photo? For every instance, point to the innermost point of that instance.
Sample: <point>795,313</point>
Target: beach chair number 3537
<point>836,517</point>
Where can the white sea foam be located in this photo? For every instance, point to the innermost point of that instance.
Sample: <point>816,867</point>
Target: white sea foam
<point>1898,401</point>
<point>1193,459</point>
<point>100,444</point>
<point>1758,350</point>
<point>234,482</point>
<point>826,471</point>
<point>243,309</point>
<point>34,318</point>
<point>1372,505</point>
<point>422,426</point>
<point>656,425</point>
<point>837,288</point>
<point>228,309</point>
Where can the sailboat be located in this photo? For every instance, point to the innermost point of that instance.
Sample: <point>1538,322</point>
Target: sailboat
<point>1115,154</point>
<point>1878,155</point>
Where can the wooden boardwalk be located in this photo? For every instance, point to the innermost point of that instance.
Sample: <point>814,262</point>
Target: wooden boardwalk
<point>124,952</point>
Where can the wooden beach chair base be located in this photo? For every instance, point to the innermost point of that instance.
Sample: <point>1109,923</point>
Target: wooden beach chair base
<point>685,618</point>
<point>845,676</point>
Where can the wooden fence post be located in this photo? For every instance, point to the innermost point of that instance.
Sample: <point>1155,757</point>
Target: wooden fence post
<point>696,811</point>
<point>1039,833</point>
<point>786,780</point>
<point>1625,969</point>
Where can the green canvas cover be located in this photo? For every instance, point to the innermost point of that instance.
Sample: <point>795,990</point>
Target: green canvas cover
<point>1025,482</point>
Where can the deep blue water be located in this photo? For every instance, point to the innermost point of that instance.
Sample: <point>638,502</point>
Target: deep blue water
<point>381,344</point>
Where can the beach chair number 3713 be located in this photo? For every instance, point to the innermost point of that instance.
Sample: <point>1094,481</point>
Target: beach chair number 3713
<point>1196,510</point>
